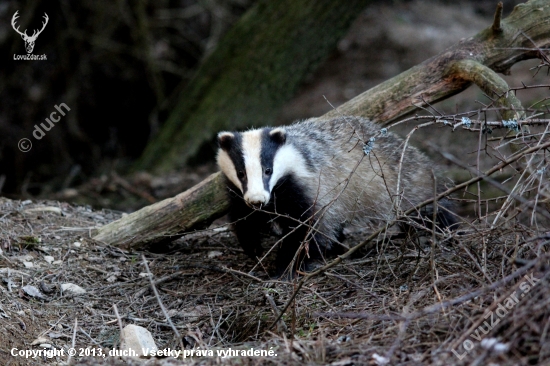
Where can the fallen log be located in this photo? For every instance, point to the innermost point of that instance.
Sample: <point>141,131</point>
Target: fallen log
<point>193,209</point>
<point>520,36</point>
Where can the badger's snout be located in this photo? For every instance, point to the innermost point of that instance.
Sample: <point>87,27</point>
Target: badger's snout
<point>256,200</point>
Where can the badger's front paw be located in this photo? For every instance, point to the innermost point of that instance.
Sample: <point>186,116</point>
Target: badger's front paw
<point>290,273</point>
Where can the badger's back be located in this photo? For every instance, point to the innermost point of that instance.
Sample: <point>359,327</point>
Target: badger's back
<point>351,186</point>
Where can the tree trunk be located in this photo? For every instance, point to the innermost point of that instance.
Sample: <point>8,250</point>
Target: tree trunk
<point>520,36</point>
<point>255,69</point>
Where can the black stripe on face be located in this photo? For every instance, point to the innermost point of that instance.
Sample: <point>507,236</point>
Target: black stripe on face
<point>235,153</point>
<point>270,145</point>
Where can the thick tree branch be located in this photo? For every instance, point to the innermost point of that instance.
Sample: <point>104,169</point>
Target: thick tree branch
<point>491,84</point>
<point>193,209</point>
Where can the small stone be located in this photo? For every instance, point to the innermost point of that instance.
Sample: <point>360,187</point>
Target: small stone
<point>172,313</point>
<point>343,338</point>
<point>33,292</point>
<point>380,360</point>
<point>73,289</point>
<point>214,253</point>
<point>138,339</point>
<point>55,335</point>
<point>495,345</point>
<point>28,264</point>
<point>111,279</point>
<point>39,341</point>
<point>49,259</point>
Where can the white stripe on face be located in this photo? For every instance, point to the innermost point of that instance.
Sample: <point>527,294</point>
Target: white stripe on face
<point>252,146</point>
<point>288,160</point>
<point>228,168</point>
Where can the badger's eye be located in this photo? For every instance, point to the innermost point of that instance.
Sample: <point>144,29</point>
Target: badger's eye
<point>240,174</point>
<point>268,171</point>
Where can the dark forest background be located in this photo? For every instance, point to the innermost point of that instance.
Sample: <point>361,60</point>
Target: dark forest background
<point>124,67</point>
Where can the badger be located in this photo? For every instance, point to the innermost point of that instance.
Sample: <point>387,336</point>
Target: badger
<point>310,179</point>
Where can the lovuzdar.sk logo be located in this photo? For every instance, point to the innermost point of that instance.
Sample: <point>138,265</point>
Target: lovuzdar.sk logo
<point>29,40</point>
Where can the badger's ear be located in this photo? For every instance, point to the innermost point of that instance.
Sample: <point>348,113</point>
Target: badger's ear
<point>225,140</point>
<point>278,135</point>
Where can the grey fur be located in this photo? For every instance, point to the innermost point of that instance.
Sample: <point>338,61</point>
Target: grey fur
<point>334,148</point>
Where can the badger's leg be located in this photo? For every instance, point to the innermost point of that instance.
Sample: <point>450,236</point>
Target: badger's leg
<point>318,245</point>
<point>292,211</point>
<point>248,232</point>
<point>247,225</point>
<point>296,211</point>
<point>305,242</point>
<point>291,242</point>
<point>444,218</point>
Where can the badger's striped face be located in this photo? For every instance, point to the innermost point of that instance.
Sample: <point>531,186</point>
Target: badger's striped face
<point>250,161</point>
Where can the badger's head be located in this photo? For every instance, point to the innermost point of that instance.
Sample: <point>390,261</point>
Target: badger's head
<point>253,161</point>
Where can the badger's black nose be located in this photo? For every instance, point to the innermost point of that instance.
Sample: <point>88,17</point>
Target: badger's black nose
<point>255,201</point>
<point>255,204</point>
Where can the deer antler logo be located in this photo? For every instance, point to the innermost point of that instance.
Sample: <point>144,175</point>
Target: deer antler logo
<point>29,41</point>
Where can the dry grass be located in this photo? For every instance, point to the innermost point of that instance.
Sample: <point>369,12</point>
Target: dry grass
<point>392,301</point>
